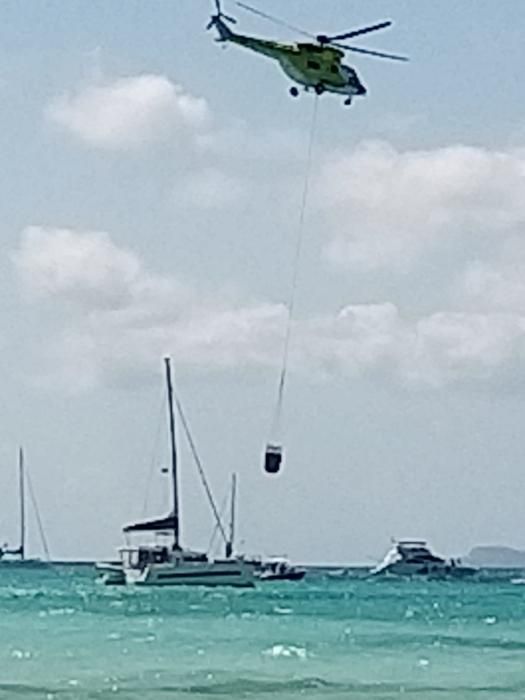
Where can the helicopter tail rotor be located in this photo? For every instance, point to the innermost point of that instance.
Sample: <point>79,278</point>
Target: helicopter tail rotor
<point>219,17</point>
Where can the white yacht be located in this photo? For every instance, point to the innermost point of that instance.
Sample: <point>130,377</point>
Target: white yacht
<point>414,558</point>
<point>168,563</point>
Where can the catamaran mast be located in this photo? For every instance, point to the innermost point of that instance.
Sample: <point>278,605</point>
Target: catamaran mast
<point>231,538</point>
<point>21,482</point>
<point>176,530</point>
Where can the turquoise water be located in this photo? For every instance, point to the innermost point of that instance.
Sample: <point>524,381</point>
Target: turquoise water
<point>64,636</point>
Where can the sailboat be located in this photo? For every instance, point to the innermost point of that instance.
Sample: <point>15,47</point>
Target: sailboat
<point>171,564</point>
<point>18,554</point>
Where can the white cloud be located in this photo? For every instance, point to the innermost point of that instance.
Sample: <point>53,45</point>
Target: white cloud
<point>387,208</point>
<point>130,112</point>
<point>498,284</point>
<point>445,347</point>
<point>86,268</point>
<point>358,339</point>
<point>121,318</point>
<point>466,347</point>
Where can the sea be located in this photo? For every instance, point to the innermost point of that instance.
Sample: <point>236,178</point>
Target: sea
<point>63,635</point>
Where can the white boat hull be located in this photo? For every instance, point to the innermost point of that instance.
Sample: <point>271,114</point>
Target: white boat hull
<point>111,574</point>
<point>446,571</point>
<point>188,574</point>
<point>414,558</point>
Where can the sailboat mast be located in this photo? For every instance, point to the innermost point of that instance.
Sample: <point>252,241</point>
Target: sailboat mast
<point>233,497</point>
<point>176,530</point>
<point>21,482</point>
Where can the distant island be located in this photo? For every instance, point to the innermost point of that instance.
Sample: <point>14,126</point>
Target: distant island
<point>492,556</point>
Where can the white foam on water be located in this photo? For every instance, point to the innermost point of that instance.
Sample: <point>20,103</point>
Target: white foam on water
<point>282,611</point>
<point>286,651</point>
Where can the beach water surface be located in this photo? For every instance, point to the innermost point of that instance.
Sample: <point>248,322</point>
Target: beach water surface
<point>65,636</point>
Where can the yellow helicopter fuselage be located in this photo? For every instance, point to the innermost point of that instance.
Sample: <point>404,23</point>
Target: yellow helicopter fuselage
<point>311,65</point>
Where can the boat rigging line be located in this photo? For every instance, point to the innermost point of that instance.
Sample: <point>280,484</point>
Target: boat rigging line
<point>222,513</point>
<point>200,469</point>
<point>274,449</point>
<point>39,523</point>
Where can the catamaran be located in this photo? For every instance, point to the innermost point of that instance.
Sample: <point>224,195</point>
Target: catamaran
<point>170,564</point>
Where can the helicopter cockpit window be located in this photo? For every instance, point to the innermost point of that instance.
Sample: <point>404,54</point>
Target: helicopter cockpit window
<point>314,65</point>
<point>334,69</point>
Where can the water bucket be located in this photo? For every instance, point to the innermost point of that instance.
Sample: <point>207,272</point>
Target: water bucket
<point>273,457</point>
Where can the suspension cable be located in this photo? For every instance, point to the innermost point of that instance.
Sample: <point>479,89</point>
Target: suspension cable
<point>276,422</point>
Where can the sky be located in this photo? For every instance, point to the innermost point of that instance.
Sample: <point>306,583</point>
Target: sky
<point>151,184</point>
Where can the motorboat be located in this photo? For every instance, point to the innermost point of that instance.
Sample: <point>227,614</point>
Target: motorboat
<point>279,569</point>
<point>164,562</point>
<point>414,558</point>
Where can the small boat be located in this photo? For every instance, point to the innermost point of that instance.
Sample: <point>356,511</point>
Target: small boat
<point>17,556</point>
<point>169,564</point>
<point>280,569</point>
<point>272,569</point>
<point>414,558</point>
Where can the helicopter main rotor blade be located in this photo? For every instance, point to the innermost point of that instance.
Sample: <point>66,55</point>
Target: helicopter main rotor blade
<point>356,32</point>
<point>368,52</point>
<point>275,20</point>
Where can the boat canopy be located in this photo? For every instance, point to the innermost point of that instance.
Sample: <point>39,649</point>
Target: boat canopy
<point>157,525</point>
<point>412,543</point>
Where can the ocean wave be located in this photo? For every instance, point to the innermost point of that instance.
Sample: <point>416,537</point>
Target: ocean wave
<point>244,687</point>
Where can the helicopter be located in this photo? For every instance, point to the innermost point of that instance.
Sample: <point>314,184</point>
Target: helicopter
<point>315,65</point>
